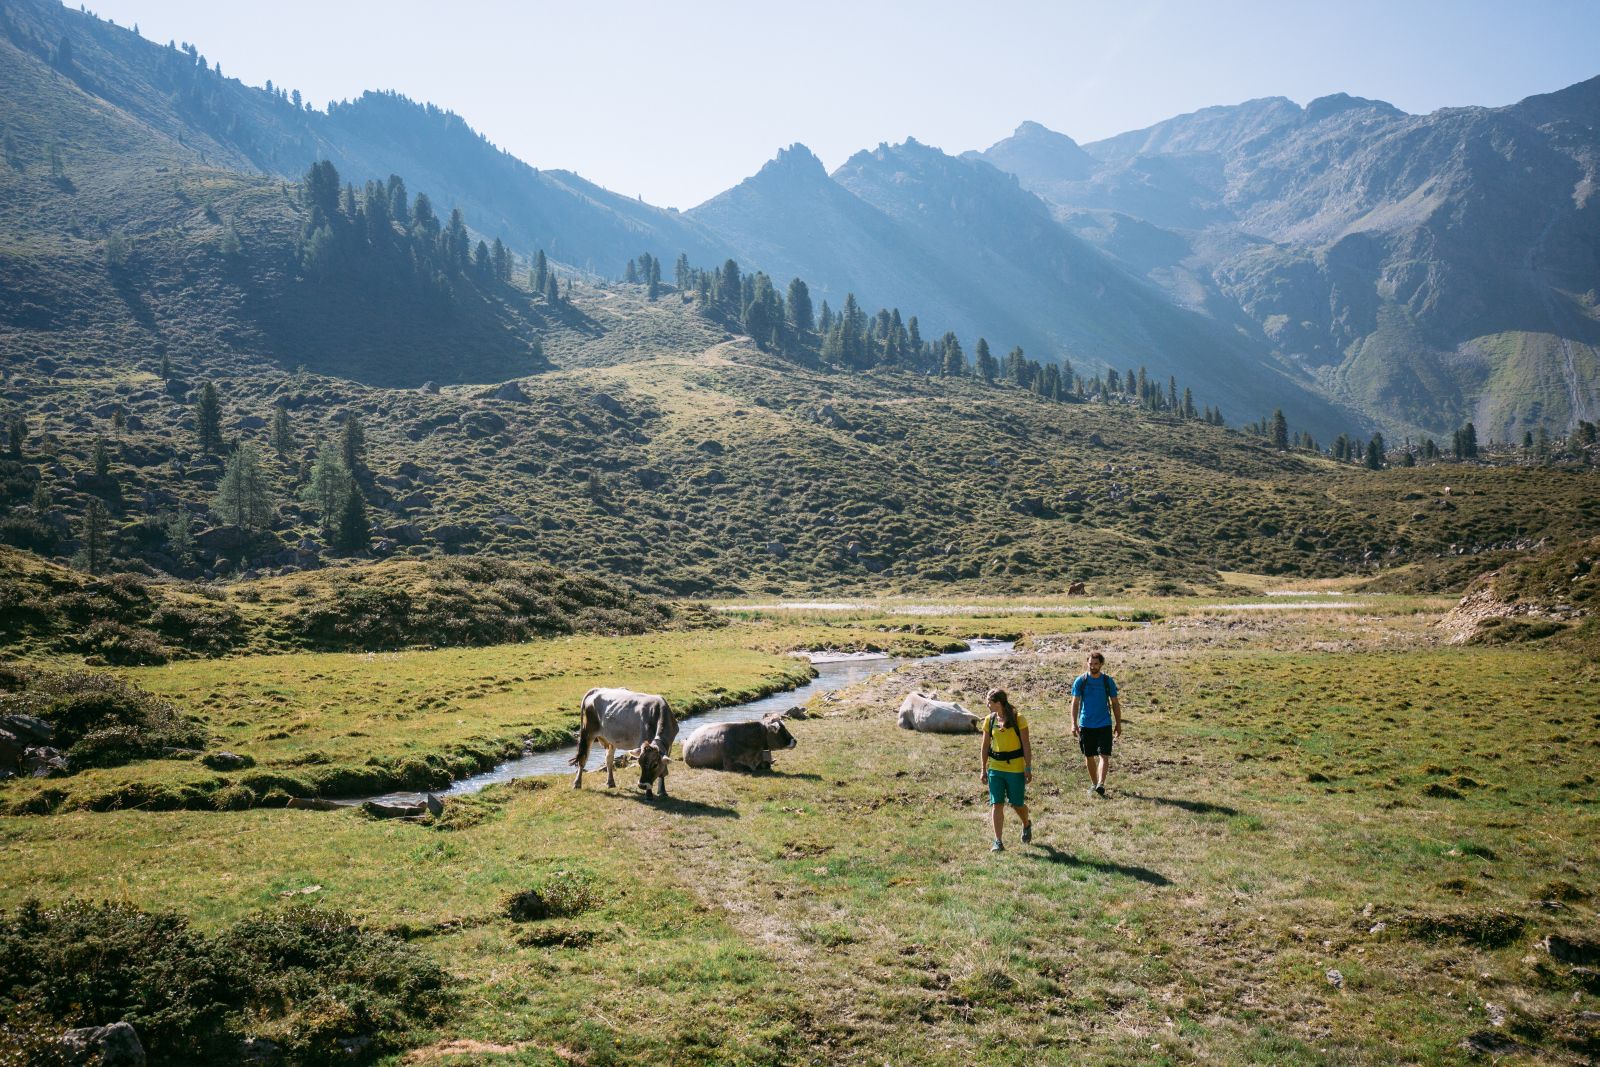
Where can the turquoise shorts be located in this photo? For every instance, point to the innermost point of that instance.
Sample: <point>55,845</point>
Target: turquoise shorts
<point>1006,787</point>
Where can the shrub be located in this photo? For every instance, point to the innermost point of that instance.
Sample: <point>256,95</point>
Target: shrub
<point>559,895</point>
<point>100,720</point>
<point>127,646</point>
<point>309,979</point>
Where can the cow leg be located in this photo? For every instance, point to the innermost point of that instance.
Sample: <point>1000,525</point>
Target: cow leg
<point>611,767</point>
<point>661,780</point>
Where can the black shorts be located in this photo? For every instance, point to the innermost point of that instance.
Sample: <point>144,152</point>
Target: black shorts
<point>1095,740</point>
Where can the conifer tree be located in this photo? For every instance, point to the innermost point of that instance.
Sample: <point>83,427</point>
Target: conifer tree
<point>102,459</point>
<point>208,420</point>
<point>353,530</point>
<point>653,287</point>
<point>243,497</point>
<point>954,363</point>
<point>800,315</point>
<point>1188,403</point>
<point>552,289</point>
<point>985,362</point>
<point>1375,453</point>
<point>541,271</point>
<point>328,485</point>
<point>631,275</point>
<point>825,319</point>
<point>94,537</point>
<point>16,435</point>
<point>1280,431</point>
<point>282,432</point>
<point>353,445</point>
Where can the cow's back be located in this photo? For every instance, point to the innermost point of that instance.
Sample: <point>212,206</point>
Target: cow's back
<point>628,719</point>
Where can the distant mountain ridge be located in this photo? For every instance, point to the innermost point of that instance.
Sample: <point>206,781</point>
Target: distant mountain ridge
<point>1426,269</point>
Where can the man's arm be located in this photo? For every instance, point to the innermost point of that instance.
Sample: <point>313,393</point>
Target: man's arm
<point>1116,716</point>
<point>1077,702</point>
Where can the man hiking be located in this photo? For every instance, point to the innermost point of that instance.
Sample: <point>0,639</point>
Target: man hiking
<point>1096,720</point>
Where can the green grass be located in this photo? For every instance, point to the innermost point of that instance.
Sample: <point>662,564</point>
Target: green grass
<point>1271,805</point>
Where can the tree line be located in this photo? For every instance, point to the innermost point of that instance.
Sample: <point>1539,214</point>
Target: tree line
<point>788,323</point>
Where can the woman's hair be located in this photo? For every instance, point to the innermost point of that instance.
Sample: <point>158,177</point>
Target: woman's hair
<point>1008,714</point>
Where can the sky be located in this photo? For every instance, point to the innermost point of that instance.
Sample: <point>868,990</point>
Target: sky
<point>676,102</point>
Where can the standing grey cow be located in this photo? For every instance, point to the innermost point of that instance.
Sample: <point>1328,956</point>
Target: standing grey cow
<point>731,745</point>
<point>639,723</point>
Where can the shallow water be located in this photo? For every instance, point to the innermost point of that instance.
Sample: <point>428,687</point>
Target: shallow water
<point>832,674</point>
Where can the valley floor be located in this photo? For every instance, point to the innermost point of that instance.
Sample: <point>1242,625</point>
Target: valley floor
<point>1330,839</point>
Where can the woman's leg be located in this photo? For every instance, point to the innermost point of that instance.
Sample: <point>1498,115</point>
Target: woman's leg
<point>1022,813</point>
<point>997,815</point>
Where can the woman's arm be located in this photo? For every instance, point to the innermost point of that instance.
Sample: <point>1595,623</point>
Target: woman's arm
<point>983,756</point>
<point>1027,757</point>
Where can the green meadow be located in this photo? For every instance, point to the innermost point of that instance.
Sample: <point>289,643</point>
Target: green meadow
<point>1331,838</point>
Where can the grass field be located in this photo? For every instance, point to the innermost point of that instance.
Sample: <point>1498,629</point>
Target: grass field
<point>1298,793</point>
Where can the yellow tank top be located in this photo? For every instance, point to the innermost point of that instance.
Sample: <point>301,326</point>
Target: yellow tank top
<point>1003,740</point>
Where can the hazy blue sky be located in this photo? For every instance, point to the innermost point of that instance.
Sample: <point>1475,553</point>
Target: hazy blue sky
<point>677,101</point>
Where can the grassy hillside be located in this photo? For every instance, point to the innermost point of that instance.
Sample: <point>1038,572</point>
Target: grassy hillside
<point>693,465</point>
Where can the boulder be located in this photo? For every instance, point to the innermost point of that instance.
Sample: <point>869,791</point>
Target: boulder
<point>609,404</point>
<point>405,533</point>
<point>227,761</point>
<point>251,422</point>
<point>380,810</point>
<point>777,548</point>
<point>223,540</point>
<point>476,424</point>
<point>927,714</point>
<point>34,731</point>
<point>112,1045</point>
<point>453,533</point>
<point>311,804</point>
<point>509,391</point>
<point>45,762</point>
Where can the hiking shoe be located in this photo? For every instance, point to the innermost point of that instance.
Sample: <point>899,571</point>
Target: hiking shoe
<point>996,846</point>
<point>1101,791</point>
<point>1027,832</point>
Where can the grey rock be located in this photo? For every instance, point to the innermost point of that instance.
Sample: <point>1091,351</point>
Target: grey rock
<point>227,761</point>
<point>28,728</point>
<point>777,548</point>
<point>380,810</point>
<point>405,533</point>
<point>113,1045</point>
<point>453,533</point>
<point>251,422</point>
<point>509,391</point>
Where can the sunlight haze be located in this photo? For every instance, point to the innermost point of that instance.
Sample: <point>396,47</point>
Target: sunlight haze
<point>678,103</point>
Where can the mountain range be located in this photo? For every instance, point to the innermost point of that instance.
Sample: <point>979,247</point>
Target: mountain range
<point>1356,266</point>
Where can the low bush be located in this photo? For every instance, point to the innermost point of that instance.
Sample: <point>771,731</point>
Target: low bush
<point>101,721</point>
<point>310,980</point>
<point>559,895</point>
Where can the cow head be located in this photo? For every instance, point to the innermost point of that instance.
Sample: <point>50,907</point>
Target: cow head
<point>778,735</point>
<point>652,765</point>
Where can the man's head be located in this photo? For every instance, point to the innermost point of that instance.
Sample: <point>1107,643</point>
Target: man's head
<point>1096,662</point>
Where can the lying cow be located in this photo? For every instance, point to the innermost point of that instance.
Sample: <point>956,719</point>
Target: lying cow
<point>641,724</point>
<point>731,745</point>
<point>925,714</point>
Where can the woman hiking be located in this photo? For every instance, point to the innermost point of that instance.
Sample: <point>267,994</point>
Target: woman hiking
<point>1007,765</point>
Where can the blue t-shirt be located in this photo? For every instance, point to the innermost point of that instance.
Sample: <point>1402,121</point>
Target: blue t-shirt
<point>1096,694</point>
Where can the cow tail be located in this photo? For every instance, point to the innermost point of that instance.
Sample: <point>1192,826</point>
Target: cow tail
<point>585,737</point>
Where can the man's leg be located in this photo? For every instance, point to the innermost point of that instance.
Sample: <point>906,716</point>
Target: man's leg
<point>1088,762</point>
